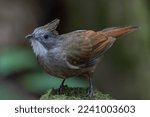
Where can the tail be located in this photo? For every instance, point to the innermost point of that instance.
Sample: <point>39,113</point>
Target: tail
<point>119,31</point>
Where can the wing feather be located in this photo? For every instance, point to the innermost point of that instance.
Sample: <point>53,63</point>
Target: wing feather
<point>83,46</point>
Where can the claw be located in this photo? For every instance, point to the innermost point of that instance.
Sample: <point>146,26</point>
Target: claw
<point>90,92</point>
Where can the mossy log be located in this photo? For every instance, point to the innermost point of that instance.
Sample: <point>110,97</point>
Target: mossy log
<point>72,93</point>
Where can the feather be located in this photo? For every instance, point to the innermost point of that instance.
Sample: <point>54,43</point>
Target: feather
<point>84,47</point>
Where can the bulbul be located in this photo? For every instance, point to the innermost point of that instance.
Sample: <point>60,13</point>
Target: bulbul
<point>75,53</point>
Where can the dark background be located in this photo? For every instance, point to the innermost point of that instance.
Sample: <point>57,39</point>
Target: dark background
<point>124,71</point>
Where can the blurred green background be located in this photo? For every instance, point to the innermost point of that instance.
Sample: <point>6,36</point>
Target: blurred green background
<point>124,71</point>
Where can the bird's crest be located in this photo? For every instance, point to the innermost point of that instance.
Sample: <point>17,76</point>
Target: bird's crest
<point>52,25</point>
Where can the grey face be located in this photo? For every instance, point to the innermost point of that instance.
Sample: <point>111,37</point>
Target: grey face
<point>45,37</point>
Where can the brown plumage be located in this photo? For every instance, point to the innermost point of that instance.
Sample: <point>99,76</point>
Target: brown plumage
<point>87,45</point>
<point>73,54</point>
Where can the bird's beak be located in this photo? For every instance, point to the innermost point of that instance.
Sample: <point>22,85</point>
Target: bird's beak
<point>30,36</point>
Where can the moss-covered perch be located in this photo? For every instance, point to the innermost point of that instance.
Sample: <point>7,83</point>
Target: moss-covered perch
<point>73,94</point>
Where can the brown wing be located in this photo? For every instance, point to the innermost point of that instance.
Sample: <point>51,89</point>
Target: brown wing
<point>83,46</point>
<point>100,42</point>
<point>76,48</point>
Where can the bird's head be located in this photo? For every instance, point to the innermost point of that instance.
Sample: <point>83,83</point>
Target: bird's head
<point>43,38</point>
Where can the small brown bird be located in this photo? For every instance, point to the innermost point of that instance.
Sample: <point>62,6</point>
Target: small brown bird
<point>73,54</point>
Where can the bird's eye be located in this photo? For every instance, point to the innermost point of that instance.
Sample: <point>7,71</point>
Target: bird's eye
<point>45,36</point>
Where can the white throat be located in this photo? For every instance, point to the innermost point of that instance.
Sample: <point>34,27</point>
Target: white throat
<point>38,48</point>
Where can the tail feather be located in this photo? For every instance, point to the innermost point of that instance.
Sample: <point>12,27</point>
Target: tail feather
<point>118,31</point>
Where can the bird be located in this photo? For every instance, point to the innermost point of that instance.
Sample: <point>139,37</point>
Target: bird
<point>76,53</point>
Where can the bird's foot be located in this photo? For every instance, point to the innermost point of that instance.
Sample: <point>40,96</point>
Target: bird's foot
<point>61,89</point>
<point>90,92</point>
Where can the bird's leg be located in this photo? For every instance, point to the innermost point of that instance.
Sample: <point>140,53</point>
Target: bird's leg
<point>90,92</point>
<point>61,86</point>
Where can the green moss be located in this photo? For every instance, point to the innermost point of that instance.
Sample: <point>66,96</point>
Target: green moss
<point>71,93</point>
